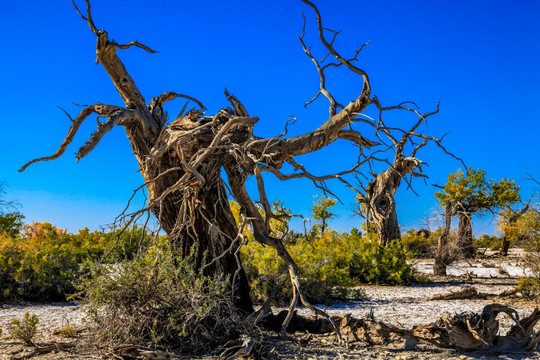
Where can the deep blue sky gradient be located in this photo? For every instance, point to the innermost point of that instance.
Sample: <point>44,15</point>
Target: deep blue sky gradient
<point>479,58</point>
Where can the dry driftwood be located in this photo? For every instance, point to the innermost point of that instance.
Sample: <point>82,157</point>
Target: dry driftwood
<point>471,292</point>
<point>462,332</point>
<point>141,352</point>
<point>461,294</point>
<point>480,332</point>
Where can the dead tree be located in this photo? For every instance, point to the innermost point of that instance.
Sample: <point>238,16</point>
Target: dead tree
<point>182,160</point>
<point>378,194</point>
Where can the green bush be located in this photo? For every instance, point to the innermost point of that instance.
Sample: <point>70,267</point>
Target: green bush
<point>159,300</point>
<point>24,329</point>
<point>529,287</point>
<point>419,243</point>
<point>44,263</point>
<point>487,242</point>
<point>329,265</point>
<point>375,265</point>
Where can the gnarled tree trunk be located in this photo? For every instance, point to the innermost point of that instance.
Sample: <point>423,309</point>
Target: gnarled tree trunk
<point>443,256</point>
<point>380,192</point>
<point>465,234</point>
<point>380,196</point>
<point>182,162</point>
<point>197,218</point>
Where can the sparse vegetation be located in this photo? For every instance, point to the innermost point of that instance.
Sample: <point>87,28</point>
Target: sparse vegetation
<point>67,331</point>
<point>24,329</point>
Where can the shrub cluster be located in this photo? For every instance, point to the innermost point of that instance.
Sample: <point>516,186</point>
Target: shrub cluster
<point>420,243</point>
<point>44,262</point>
<point>159,300</point>
<point>330,264</point>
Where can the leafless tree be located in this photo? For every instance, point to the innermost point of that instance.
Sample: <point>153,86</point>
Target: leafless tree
<point>182,160</point>
<point>378,194</point>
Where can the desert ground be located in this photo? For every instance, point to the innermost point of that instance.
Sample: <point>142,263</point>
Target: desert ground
<point>403,306</point>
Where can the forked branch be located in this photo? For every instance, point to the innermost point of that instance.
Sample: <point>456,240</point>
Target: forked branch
<point>115,115</point>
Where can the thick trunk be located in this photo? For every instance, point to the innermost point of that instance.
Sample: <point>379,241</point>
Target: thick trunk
<point>387,225</point>
<point>443,257</point>
<point>505,246</point>
<point>380,194</point>
<point>210,236</point>
<point>465,238</point>
<point>196,214</point>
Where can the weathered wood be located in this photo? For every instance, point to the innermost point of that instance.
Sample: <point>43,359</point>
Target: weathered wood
<point>462,332</point>
<point>182,162</point>
<point>480,332</point>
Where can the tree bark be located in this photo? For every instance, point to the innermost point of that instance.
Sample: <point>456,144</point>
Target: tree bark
<point>192,205</point>
<point>465,234</point>
<point>443,256</point>
<point>505,245</point>
<point>380,194</point>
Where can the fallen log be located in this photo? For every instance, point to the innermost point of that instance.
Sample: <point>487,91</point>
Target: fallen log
<point>480,332</point>
<point>462,332</point>
<point>466,293</point>
<point>472,292</point>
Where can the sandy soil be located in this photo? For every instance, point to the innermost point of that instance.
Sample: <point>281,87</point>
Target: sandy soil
<point>404,306</point>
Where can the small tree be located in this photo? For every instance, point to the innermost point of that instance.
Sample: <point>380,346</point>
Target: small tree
<point>510,225</point>
<point>10,219</point>
<point>322,212</point>
<point>472,193</point>
<point>11,223</point>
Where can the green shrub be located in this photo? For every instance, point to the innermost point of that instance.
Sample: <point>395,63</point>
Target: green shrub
<point>67,331</point>
<point>487,242</point>
<point>329,264</point>
<point>24,329</point>
<point>375,265</point>
<point>45,262</point>
<point>159,300</point>
<point>529,287</point>
<point>419,243</point>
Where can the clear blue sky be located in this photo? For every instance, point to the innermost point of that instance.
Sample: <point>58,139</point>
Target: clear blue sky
<point>479,58</point>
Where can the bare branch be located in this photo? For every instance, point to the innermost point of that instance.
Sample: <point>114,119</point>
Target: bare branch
<point>367,87</point>
<point>119,116</point>
<point>106,110</point>
<point>135,43</point>
<point>357,138</point>
<point>88,18</point>
<point>157,103</point>
<point>239,108</point>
